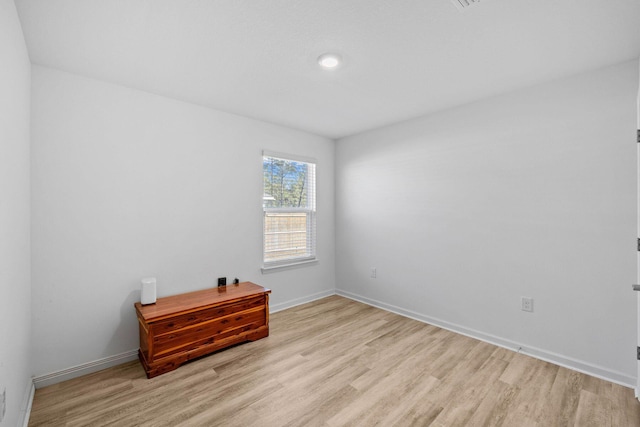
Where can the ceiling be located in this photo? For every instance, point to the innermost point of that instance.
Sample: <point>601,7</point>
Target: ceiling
<point>403,58</point>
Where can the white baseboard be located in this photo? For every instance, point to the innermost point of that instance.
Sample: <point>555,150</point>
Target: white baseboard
<point>27,401</point>
<point>299,301</point>
<point>548,356</point>
<point>84,369</point>
<point>107,362</point>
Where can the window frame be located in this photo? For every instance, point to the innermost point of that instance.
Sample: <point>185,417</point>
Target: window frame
<point>310,210</point>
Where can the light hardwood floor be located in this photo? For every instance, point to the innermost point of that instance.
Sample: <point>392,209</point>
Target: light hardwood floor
<point>336,362</point>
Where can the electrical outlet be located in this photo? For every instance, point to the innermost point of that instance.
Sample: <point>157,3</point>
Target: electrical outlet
<point>374,273</point>
<point>527,304</point>
<point>3,403</point>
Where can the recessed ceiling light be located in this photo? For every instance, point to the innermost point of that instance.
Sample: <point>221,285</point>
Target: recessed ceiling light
<point>329,61</point>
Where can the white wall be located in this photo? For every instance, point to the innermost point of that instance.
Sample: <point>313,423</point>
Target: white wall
<point>532,193</point>
<point>128,184</point>
<point>15,286</point>
<point>637,384</point>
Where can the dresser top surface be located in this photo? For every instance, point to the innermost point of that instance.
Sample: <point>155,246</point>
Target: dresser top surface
<point>198,299</point>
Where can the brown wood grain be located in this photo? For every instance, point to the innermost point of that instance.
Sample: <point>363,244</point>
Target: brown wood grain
<point>204,315</point>
<point>179,328</point>
<point>173,361</point>
<point>212,330</point>
<point>190,301</point>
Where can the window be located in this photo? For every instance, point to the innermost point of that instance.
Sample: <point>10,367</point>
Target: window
<point>289,210</point>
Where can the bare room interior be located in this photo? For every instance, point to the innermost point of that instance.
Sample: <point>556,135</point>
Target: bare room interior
<point>443,231</point>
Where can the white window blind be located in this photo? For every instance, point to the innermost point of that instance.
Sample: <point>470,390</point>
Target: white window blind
<point>289,205</point>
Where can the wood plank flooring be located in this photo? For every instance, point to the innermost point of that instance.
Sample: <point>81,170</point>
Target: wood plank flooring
<point>337,362</point>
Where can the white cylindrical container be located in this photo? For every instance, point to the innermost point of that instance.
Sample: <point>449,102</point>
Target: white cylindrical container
<point>148,293</point>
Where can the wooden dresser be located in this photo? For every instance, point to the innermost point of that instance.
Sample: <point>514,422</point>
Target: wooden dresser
<point>182,327</point>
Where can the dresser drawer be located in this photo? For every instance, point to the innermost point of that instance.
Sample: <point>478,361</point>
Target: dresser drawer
<point>207,332</point>
<point>180,328</point>
<point>197,317</point>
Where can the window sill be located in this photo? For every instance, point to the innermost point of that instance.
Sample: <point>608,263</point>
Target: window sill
<point>289,266</point>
